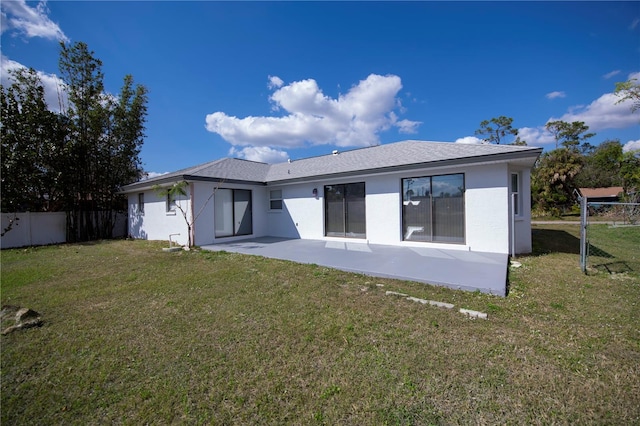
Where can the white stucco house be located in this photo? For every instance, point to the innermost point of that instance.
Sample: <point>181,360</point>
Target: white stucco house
<point>410,193</point>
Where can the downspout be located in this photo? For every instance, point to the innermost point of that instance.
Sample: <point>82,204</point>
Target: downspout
<point>513,225</point>
<point>192,235</point>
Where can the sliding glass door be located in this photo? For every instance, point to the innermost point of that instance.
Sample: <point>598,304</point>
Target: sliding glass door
<point>232,212</point>
<point>345,214</point>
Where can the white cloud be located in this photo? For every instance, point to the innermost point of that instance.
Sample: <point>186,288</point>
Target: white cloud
<point>54,92</point>
<point>634,24</point>
<point>353,119</point>
<point>603,113</point>
<point>469,140</point>
<point>608,75</point>
<point>553,95</point>
<point>535,136</point>
<point>275,82</point>
<point>407,126</point>
<point>151,175</point>
<point>263,154</point>
<point>631,146</point>
<point>30,21</point>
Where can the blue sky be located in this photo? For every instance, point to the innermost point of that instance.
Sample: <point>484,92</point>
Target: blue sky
<point>268,81</point>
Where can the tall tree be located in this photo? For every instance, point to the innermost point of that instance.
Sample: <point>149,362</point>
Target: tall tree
<point>87,117</point>
<point>496,129</point>
<point>103,146</point>
<point>569,135</point>
<point>75,161</point>
<point>30,136</point>
<point>122,144</point>
<point>629,91</point>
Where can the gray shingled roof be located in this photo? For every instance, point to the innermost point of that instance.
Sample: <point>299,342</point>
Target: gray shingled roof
<point>225,169</point>
<point>389,157</point>
<point>399,155</point>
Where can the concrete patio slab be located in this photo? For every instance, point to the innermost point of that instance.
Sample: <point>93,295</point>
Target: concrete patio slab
<point>458,269</point>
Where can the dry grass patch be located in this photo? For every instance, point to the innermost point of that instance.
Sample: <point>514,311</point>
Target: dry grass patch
<point>133,335</point>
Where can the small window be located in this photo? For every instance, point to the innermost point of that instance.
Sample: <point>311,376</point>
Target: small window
<point>141,202</point>
<point>515,193</point>
<point>171,203</point>
<point>275,199</point>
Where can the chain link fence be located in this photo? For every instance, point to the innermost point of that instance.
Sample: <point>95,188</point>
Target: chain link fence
<point>609,237</point>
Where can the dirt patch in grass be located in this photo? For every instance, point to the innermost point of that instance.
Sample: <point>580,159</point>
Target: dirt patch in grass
<point>134,335</point>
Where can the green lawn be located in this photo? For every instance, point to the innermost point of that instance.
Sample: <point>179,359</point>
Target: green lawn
<point>133,335</point>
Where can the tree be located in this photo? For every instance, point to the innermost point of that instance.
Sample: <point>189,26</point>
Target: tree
<point>175,192</point>
<point>629,91</point>
<point>103,144</point>
<point>77,160</point>
<point>30,136</point>
<point>494,130</point>
<point>553,186</point>
<point>602,166</point>
<point>519,142</point>
<point>569,135</point>
<point>630,172</point>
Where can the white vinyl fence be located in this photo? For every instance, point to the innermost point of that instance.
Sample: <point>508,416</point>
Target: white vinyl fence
<point>38,229</point>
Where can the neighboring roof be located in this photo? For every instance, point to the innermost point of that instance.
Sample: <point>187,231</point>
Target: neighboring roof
<point>389,157</point>
<point>612,191</point>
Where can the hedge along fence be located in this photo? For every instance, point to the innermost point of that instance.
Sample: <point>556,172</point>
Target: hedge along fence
<point>42,228</point>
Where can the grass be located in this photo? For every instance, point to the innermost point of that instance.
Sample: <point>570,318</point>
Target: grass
<point>613,248</point>
<point>133,335</point>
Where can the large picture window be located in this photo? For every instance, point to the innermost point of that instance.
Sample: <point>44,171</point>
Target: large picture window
<point>344,210</point>
<point>433,208</point>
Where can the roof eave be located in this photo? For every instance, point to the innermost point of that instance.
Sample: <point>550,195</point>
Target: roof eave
<point>146,185</point>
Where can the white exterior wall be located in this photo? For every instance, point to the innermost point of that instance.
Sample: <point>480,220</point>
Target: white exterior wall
<point>486,209</point>
<point>523,220</point>
<point>302,214</point>
<point>384,209</point>
<point>155,223</point>
<point>204,226</point>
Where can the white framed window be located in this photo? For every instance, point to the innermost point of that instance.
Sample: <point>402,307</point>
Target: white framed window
<point>141,202</point>
<point>433,208</point>
<point>171,203</point>
<point>515,193</point>
<point>275,199</point>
